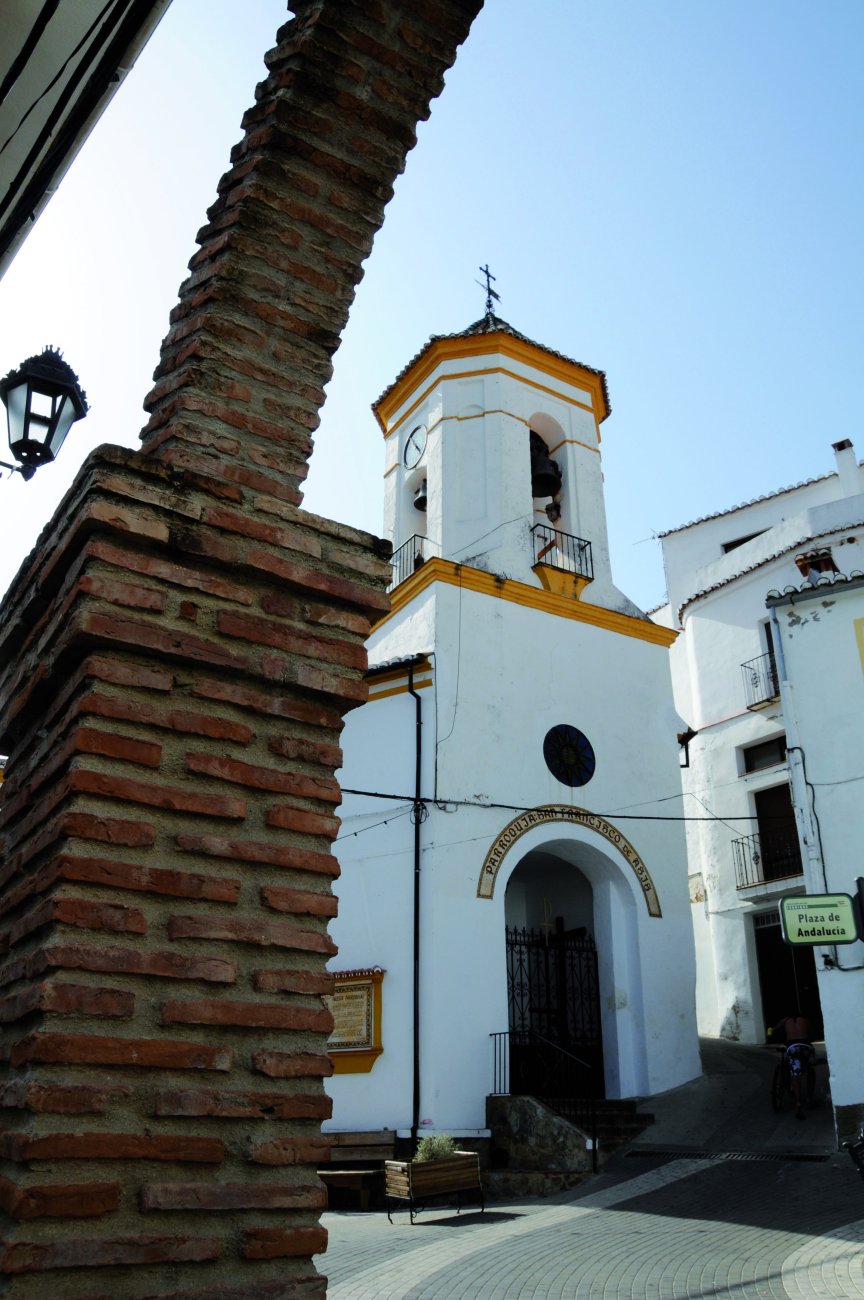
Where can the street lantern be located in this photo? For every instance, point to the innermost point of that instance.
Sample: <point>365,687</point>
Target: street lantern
<point>43,400</point>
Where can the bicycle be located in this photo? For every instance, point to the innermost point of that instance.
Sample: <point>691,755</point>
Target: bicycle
<point>855,1147</point>
<point>781,1083</point>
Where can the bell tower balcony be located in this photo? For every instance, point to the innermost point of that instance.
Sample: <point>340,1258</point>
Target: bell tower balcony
<point>562,562</point>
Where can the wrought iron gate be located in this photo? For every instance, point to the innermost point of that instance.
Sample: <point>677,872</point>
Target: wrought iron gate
<point>553,995</point>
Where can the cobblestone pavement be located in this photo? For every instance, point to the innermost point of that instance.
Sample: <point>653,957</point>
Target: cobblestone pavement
<point>647,1229</point>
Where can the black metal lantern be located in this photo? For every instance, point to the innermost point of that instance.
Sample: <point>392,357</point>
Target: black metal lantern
<point>43,400</point>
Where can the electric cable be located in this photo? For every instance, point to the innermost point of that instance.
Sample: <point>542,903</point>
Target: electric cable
<point>515,807</point>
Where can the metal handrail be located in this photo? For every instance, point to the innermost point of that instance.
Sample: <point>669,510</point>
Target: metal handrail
<point>570,1102</point>
<point>762,859</point>
<point>410,557</point>
<point>562,551</point>
<point>761,684</point>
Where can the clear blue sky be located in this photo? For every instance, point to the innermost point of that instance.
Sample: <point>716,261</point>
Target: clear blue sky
<point>668,190</point>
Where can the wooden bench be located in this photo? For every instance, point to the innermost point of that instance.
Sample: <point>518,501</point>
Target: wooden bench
<point>360,1157</point>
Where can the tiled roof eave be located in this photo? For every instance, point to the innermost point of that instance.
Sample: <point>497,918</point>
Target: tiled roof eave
<point>776,555</point>
<point>491,324</point>
<point>744,505</point>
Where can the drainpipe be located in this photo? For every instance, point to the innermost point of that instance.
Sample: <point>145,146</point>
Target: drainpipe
<point>417,815</point>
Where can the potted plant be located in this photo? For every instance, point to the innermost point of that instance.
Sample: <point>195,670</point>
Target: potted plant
<point>438,1169</point>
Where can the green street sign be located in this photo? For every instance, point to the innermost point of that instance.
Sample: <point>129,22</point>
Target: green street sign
<point>818,918</point>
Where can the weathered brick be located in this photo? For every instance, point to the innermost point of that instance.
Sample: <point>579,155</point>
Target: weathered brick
<point>58,1201</point>
<point>289,818</point>
<point>84,913</point>
<point>110,1146</point>
<point>148,713</point>
<point>305,750</point>
<point>67,999</point>
<point>320,582</point>
<point>310,675</point>
<point>317,714</point>
<point>227,1104</point>
<point>109,830</point>
<point>88,1252</point>
<point>171,798</point>
<point>91,1049</point>
<point>266,934</point>
<point>263,778</point>
<point>108,744</point>
<point>301,902</point>
<point>290,1151</point>
<point>151,880</point>
<point>134,961</point>
<point>293,981</point>
<point>180,575</point>
<point>118,672</point>
<point>117,592</point>
<point>264,631</point>
<point>245,1015</point>
<point>259,851</point>
<point>291,1065</point>
<point>135,635</point>
<point>301,539</point>
<point>232,1196</point>
<point>277,1243</point>
<point>58,1098</point>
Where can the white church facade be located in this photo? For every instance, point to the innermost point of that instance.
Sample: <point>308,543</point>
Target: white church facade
<point>508,876</point>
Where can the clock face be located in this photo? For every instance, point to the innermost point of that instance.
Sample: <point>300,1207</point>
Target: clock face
<point>415,445</point>
<point>569,755</point>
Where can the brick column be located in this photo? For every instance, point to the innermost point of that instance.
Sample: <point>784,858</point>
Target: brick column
<point>175,661</point>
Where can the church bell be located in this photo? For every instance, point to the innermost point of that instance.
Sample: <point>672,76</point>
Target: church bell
<point>545,474</point>
<point>420,497</point>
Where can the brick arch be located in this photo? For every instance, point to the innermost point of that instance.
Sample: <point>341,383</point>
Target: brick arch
<point>175,660</point>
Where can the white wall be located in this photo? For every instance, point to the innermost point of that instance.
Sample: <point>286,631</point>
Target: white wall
<point>504,675</point>
<point>823,651</point>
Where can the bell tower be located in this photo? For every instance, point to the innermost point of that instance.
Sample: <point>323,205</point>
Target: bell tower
<point>493,462</point>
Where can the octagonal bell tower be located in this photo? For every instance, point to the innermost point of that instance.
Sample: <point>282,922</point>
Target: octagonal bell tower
<point>493,462</point>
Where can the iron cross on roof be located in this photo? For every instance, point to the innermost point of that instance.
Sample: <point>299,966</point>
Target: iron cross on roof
<point>490,292</point>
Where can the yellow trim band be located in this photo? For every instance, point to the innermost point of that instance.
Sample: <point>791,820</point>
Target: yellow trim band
<point>576,442</point>
<point>389,430</point>
<point>477,345</point>
<point>397,690</point>
<point>519,593</point>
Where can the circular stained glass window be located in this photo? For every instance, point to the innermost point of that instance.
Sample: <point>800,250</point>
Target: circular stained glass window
<point>569,755</point>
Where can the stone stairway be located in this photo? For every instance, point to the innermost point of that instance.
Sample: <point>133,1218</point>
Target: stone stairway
<point>537,1152</point>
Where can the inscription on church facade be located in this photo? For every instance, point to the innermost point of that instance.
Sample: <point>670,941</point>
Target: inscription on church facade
<point>351,1005</point>
<point>550,813</point>
<point>355,1004</point>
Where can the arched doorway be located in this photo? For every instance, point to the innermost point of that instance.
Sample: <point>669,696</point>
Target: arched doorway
<point>553,982</point>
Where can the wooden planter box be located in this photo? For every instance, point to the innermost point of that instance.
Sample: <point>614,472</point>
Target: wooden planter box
<point>418,1181</point>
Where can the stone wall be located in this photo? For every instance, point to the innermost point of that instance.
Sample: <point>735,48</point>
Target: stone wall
<point>175,661</point>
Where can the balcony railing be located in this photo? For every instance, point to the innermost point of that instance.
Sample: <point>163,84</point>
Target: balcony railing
<point>563,551</point>
<point>409,557</point>
<point>761,685</point>
<point>760,859</point>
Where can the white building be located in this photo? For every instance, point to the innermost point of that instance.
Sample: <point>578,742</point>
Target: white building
<point>729,687</point>
<point>500,783</point>
<point>819,634</point>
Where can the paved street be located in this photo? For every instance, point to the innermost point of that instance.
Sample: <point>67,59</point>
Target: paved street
<point>685,1228</point>
<point>741,1218</point>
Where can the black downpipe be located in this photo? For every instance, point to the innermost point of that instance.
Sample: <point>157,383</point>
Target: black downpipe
<point>418,817</point>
